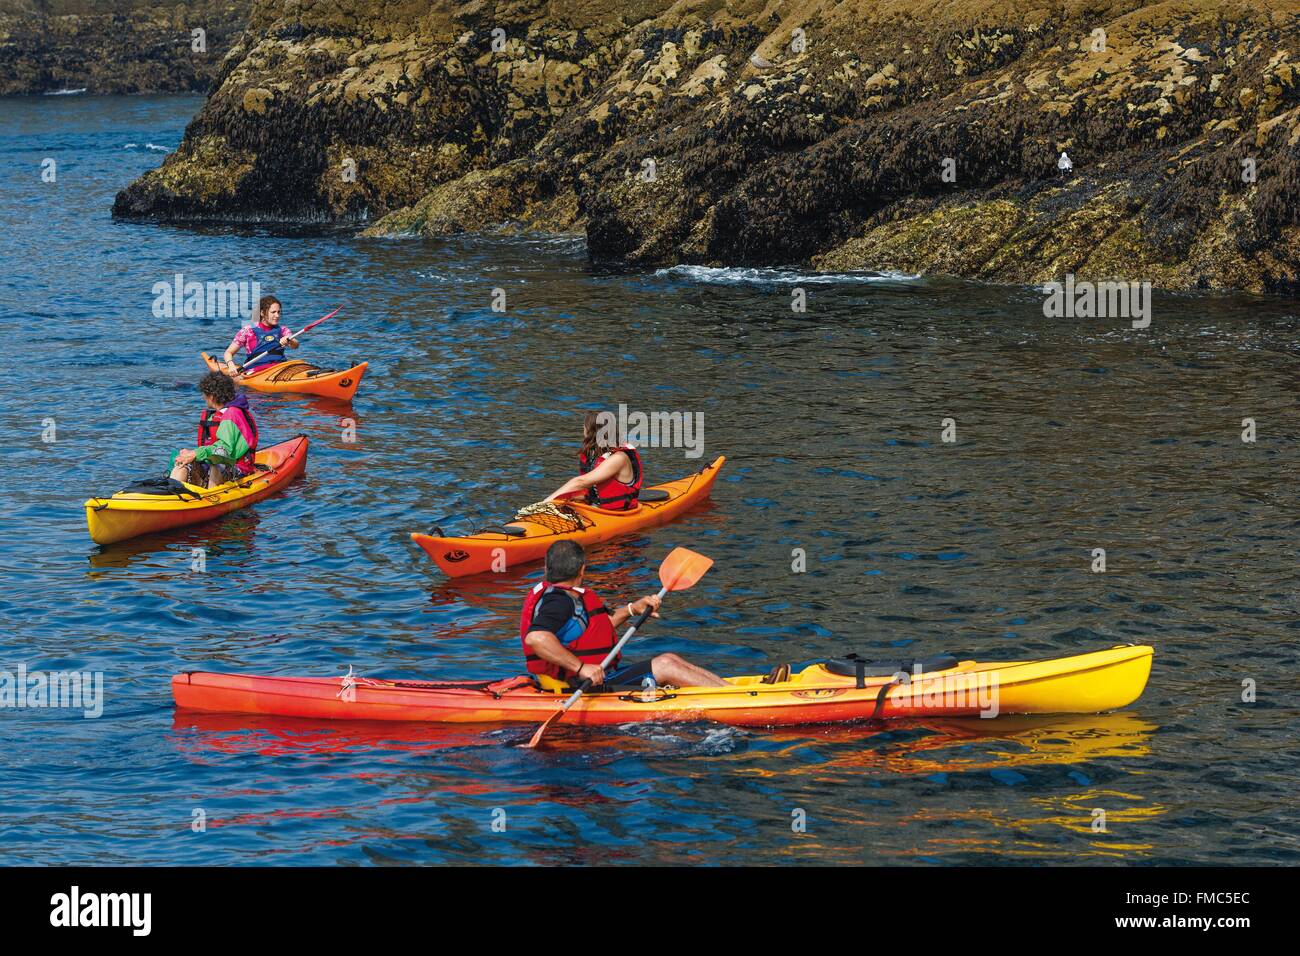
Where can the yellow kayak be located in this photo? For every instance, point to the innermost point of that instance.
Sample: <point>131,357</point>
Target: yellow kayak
<point>134,512</point>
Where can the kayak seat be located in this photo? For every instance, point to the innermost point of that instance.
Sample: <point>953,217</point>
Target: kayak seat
<point>855,666</point>
<point>503,529</point>
<point>653,494</point>
<point>553,685</point>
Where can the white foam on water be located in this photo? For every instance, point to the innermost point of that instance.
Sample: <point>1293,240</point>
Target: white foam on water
<point>690,738</point>
<point>736,275</point>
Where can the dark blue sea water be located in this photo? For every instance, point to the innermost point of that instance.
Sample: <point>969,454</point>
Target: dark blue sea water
<point>1073,435</point>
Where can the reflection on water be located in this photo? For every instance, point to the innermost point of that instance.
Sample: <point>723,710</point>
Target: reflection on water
<point>231,536</point>
<point>387,762</point>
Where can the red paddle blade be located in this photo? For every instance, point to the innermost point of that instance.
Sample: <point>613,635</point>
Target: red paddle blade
<point>541,731</point>
<point>682,568</point>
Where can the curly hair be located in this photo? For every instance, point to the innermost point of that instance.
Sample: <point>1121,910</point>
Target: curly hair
<point>218,386</point>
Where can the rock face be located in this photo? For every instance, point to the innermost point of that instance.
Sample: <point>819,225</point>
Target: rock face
<point>115,46</point>
<point>920,135</point>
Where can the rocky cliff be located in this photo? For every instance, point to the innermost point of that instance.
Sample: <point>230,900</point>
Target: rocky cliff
<point>115,46</point>
<point>921,135</point>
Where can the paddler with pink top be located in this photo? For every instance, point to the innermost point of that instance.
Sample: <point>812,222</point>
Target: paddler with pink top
<point>264,341</point>
<point>227,437</point>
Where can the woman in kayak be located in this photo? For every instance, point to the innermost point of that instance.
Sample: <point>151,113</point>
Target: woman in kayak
<point>567,631</point>
<point>264,341</point>
<point>227,437</point>
<point>609,475</point>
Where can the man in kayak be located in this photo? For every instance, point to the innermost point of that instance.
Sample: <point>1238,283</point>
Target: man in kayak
<point>227,437</point>
<point>264,341</point>
<point>610,475</point>
<point>567,631</point>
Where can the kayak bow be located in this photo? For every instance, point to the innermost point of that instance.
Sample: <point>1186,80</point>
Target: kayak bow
<point>1080,684</point>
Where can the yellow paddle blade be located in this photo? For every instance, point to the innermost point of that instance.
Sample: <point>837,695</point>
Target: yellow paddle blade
<point>682,568</point>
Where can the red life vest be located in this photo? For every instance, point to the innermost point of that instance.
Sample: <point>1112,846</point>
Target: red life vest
<point>614,494</point>
<point>594,633</point>
<point>210,421</point>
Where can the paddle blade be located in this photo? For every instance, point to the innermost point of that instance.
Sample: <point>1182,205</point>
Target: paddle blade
<point>682,568</point>
<point>541,731</point>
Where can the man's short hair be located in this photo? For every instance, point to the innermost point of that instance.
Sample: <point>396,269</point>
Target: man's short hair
<point>564,561</point>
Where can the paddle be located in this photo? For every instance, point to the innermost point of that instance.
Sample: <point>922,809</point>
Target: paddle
<point>305,328</point>
<point>680,570</point>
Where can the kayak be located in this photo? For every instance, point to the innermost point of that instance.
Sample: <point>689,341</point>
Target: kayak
<point>829,692</point>
<point>161,504</point>
<point>526,539</point>
<point>301,377</point>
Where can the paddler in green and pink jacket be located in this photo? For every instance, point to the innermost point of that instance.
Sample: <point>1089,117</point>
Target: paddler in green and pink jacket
<point>227,437</point>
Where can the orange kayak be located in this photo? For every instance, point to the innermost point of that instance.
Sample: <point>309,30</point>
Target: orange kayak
<point>144,510</point>
<point>822,693</point>
<point>301,377</point>
<point>526,539</point>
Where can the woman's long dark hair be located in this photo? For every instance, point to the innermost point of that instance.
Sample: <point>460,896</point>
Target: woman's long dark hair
<point>591,448</point>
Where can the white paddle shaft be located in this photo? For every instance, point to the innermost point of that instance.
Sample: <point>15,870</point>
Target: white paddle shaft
<point>627,635</point>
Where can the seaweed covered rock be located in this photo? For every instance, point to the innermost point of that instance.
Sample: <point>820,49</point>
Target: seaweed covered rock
<point>850,135</point>
<point>115,46</point>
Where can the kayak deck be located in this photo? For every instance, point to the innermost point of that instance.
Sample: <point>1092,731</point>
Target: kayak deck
<point>500,550</point>
<point>1084,683</point>
<point>303,378</point>
<point>130,514</point>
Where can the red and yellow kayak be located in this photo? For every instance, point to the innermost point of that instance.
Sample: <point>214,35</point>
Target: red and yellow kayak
<point>1080,684</point>
<point>526,539</point>
<point>300,377</point>
<point>130,513</point>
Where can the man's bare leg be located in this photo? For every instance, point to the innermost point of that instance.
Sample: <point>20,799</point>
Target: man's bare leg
<point>671,669</point>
